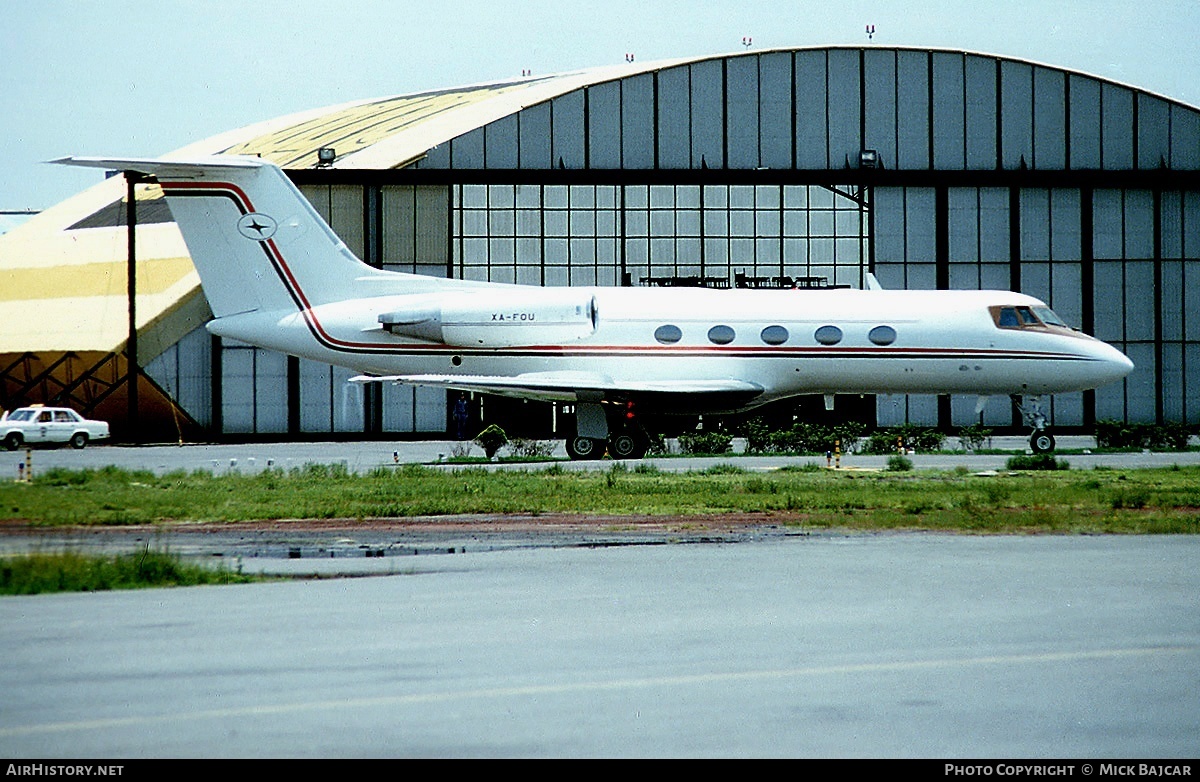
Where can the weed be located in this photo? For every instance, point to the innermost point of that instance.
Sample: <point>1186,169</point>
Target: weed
<point>724,468</point>
<point>806,467</point>
<point>760,486</point>
<point>1135,499</point>
<point>996,493</point>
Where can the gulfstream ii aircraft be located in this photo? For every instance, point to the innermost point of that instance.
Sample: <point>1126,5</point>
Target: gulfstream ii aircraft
<point>278,277</point>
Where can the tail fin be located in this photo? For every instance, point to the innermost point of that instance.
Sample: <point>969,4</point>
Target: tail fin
<point>255,240</point>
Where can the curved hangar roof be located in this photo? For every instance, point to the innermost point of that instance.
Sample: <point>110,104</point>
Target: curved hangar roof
<point>62,273</point>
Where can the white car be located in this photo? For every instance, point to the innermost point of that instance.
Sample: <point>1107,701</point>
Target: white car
<point>38,424</point>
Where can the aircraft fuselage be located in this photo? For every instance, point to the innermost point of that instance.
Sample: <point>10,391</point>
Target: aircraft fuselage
<point>788,342</point>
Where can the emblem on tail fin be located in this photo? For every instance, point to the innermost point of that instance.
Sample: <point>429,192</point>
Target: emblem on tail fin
<point>257,226</point>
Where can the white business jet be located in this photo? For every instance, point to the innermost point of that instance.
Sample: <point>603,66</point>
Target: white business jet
<point>278,277</point>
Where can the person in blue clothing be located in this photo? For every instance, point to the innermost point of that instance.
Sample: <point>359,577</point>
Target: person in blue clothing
<point>461,414</point>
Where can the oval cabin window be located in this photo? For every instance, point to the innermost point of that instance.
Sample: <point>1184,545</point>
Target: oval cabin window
<point>668,334</point>
<point>882,335</point>
<point>720,335</point>
<point>828,335</point>
<point>774,335</point>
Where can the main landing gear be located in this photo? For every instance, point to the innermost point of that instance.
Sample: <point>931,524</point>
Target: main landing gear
<point>623,445</point>
<point>1041,441</point>
<point>615,430</point>
<point>585,447</point>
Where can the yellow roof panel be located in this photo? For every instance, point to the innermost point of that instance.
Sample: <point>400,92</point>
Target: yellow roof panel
<point>355,128</point>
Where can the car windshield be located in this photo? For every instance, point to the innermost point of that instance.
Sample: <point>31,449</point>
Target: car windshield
<point>23,415</point>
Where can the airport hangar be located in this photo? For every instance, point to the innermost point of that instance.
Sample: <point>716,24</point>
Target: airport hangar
<point>797,166</point>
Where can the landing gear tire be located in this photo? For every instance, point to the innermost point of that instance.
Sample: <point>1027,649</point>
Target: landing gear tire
<point>626,446</point>
<point>1042,442</point>
<point>584,448</point>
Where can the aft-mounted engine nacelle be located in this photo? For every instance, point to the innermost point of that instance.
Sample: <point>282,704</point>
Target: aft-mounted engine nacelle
<point>497,320</point>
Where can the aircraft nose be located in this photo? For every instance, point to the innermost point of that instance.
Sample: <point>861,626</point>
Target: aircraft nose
<point>1116,365</point>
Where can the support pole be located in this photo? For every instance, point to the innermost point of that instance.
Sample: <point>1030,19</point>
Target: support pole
<point>131,344</point>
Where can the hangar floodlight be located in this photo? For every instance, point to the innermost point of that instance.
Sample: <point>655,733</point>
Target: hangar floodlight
<point>868,158</point>
<point>326,156</point>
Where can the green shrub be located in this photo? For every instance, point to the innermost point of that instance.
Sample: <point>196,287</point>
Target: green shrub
<point>898,463</point>
<point>1175,436</point>
<point>1037,461</point>
<point>801,437</point>
<point>522,448</point>
<point>908,436</point>
<point>758,435</point>
<point>657,444</point>
<point>696,443</point>
<point>1171,436</point>
<point>973,437</point>
<point>491,439</point>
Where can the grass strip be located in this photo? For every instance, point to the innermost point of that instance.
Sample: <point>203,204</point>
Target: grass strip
<point>71,571</point>
<point>1100,501</point>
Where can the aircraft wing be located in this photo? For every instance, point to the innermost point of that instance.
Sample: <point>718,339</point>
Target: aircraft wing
<point>578,386</point>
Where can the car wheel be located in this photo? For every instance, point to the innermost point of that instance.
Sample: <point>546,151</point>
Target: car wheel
<point>13,441</point>
<point>79,440</point>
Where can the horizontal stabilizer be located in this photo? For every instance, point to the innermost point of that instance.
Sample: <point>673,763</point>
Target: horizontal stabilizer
<point>172,168</point>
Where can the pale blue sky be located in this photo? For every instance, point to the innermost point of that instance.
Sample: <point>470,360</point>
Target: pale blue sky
<point>144,77</point>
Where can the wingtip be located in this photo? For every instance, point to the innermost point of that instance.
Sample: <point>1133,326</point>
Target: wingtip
<point>157,165</point>
<point>73,160</point>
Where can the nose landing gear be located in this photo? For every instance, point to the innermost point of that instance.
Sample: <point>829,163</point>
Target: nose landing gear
<point>1031,407</point>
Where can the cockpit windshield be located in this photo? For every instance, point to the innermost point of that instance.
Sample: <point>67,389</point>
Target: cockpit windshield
<point>1049,318</point>
<point>1023,317</point>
